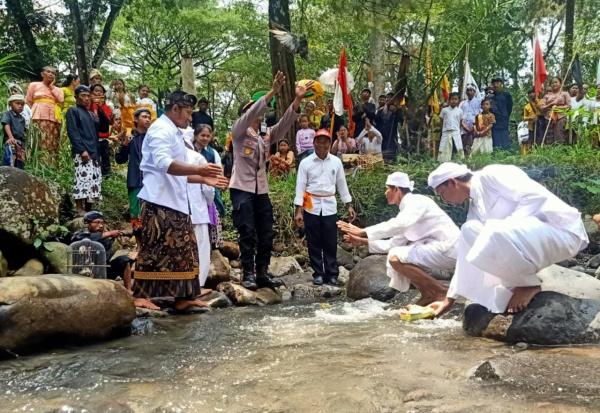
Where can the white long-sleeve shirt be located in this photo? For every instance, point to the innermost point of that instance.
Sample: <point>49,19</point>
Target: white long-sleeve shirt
<point>162,145</point>
<point>198,192</point>
<point>366,145</point>
<point>419,219</point>
<point>321,177</point>
<point>501,191</point>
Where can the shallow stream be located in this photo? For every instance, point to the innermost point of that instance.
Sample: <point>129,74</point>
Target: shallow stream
<point>343,357</point>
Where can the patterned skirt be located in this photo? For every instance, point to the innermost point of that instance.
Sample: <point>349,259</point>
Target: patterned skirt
<point>50,139</point>
<point>88,180</point>
<point>167,262</point>
<point>215,234</point>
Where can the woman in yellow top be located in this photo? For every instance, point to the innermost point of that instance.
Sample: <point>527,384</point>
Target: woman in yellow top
<point>68,87</point>
<point>531,112</point>
<point>45,101</point>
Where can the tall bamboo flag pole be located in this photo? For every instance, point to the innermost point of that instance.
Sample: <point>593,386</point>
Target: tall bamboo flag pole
<point>534,106</point>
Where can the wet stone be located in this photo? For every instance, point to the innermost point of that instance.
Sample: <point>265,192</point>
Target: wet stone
<point>486,372</point>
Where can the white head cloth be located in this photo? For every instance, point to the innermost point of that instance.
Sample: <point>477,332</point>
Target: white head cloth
<point>400,179</point>
<point>445,171</point>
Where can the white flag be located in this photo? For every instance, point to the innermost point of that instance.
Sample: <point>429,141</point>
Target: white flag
<point>598,73</point>
<point>469,80</point>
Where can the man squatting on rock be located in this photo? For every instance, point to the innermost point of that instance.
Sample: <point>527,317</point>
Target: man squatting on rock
<point>421,237</point>
<point>249,190</point>
<point>515,227</point>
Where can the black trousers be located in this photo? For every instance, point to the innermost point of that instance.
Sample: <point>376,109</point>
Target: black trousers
<point>253,220</point>
<point>104,155</point>
<point>321,237</point>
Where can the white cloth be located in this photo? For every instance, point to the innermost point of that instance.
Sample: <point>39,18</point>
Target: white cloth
<point>445,171</point>
<point>421,234</point>
<point>199,194</point>
<point>515,227</point>
<point>400,180</point>
<point>203,241</point>
<point>366,145</point>
<point>162,145</point>
<point>321,177</point>
<point>451,118</point>
<point>445,150</point>
<point>470,109</point>
<point>482,144</point>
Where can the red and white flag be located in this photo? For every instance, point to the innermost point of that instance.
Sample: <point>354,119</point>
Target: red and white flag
<point>341,98</point>
<point>539,67</point>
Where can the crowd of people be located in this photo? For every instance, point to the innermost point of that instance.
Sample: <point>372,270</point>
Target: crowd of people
<point>175,173</point>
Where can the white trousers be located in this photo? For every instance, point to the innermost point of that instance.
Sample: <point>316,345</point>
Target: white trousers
<point>482,145</point>
<point>445,151</point>
<point>433,255</point>
<point>498,255</point>
<point>203,241</point>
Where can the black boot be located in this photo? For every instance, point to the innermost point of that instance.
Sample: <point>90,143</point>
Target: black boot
<point>249,280</point>
<point>266,280</point>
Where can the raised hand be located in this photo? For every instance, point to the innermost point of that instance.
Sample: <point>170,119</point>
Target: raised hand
<point>302,90</point>
<point>220,182</point>
<point>354,240</point>
<point>348,228</point>
<point>278,82</point>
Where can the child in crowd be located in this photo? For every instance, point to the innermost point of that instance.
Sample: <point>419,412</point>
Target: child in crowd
<point>319,175</point>
<point>369,140</point>
<point>14,128</point>
<point>482,142</point>
<point>304,138</point>
<point>282,162</point>
<point>314,115</point>
<point>531,114</point>
<point>343,144</point>
<point>452,118</point>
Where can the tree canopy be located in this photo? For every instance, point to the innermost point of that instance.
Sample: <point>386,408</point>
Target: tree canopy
<point>228,41</point>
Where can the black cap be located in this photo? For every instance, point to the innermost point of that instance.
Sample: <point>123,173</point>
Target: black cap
<point>203,100</point>
<point>179,97</point>
<point>92,216</point>
<point>81,88</point>
<point>138,112</point>
<point>498,79</point>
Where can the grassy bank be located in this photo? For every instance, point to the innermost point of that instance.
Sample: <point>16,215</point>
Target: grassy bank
<point>571,172</point>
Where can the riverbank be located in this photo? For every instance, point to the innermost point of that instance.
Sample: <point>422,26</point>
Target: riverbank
<point>346,357</point>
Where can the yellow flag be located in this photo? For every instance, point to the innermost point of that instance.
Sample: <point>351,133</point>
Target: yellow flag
<point>445,87</point>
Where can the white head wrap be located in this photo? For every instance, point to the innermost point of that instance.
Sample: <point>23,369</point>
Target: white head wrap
<point>16,97</point>
<point>445,171</point>
<point>400,179</point>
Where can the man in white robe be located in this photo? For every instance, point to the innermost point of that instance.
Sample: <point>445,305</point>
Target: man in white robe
<point>420,238</point>
<point>515,227</point>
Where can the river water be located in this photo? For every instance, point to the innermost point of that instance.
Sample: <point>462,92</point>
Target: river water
<point>339,357</point>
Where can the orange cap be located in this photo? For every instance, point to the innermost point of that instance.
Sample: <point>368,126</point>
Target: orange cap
<point>323,132</point>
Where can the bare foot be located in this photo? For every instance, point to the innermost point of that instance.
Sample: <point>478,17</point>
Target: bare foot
<point>441,307</point>
<point>521,298</point>
<point>430,298</point>
<point>184,305</point>
<point>145,303</point>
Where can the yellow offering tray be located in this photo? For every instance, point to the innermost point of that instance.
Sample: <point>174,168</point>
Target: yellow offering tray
<point>414,312</point>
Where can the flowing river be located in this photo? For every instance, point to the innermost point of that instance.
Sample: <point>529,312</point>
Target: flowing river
<point>339,357</point>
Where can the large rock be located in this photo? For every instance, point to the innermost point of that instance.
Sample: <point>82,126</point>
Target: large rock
<point>267,296</point>
<point>219,270</point>
<point>36,311</point>
<point>368,279</point>
<point>31,268</point>
<point>566,281</point>
<point>550,319</point>
<point>281,266</point>
<point>237,294</point>
<point>230,250</point>
<point>345,258</point>
<point>57,255</point>
<point>309,291</point>
<point>28,206</point>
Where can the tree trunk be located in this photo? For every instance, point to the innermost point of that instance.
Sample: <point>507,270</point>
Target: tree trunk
<point>188,76</point>
<point>282,59</point>
<point>79,40</point>
<point>32,53</point>
<point>568,49</point>
<point>377,61</point>
<point>100,54</point>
